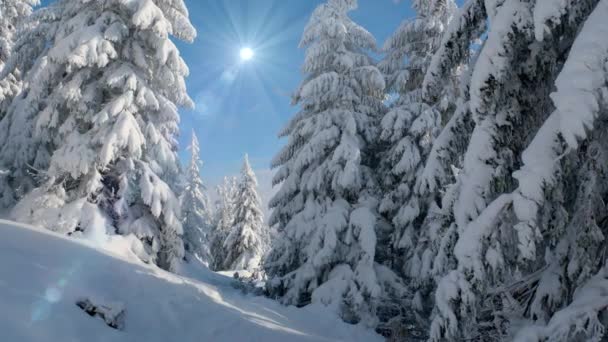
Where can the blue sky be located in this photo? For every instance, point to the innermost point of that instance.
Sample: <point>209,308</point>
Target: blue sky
<point>242,106</point>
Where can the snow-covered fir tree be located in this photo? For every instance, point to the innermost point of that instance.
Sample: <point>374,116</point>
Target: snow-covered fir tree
<point>197,215</point>
<point>408,132</point>
<point>411,126</point>
<point>224,220</point>
<point>325,210</point>
<point>13,14</point>
<point>14,19</point>
<point>91,143</point>
<point>438,182</point>
<point>524,234</point>
<point>245,244</point>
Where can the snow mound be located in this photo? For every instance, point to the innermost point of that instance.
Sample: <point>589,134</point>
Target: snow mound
<point>44,275</point>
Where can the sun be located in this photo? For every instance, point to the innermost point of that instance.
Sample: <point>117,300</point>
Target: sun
<point>246,54</point>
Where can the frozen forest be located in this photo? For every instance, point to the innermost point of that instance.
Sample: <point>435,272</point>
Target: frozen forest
<point>446,184</point>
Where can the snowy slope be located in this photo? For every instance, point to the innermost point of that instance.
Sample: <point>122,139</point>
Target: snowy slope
<point>42,275</point>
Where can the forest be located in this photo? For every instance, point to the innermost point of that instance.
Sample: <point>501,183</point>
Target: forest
<point>447,184</point>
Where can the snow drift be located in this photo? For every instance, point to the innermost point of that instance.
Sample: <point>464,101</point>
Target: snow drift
<point>44,275</point>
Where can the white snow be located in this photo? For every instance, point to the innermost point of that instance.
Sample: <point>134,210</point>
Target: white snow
<point>548,11</point>
<point>581,86</point>
<point>43,275</point>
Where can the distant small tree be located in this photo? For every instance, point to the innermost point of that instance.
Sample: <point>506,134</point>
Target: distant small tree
<point>223,222</point>
<point>196,209</point>
<point>245,244</point>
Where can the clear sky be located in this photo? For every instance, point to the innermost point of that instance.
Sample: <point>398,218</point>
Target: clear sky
<point>242,106</point>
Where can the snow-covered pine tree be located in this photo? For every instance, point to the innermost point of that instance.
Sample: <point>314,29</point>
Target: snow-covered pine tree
<point>508,247</point>
<point>325,210</point>
<point>408,133</point>
<point>437,182</point>
<point>411,126</point>
<point>245,243</point>
<point>224,220</point>
<point>97,122</point>
<point>196,209</point>
<point>13,14</point>
<point>449,74</point>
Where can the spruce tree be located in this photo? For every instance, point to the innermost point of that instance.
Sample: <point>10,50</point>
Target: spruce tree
<point>325,210</point>
<point>196,210</point>
<point>92,143</point>
<point>224,221</point>
<point>14,20</point>
<point>411,125</point>
<point>14,15</point>
<point>408,132</point>
<point>245,243</point>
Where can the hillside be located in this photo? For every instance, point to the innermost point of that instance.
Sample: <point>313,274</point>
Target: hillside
<point>43,275</point>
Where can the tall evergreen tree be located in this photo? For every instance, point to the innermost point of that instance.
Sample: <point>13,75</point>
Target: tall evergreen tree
<point>14,18</point>
<point>245,244</point>
<point>13,15</point>
<point>411,126</point>
<point>92,141</point>
<point>196,209</point>
<point>325,210</point>
<point>408,132</point>
<point>224,221</point>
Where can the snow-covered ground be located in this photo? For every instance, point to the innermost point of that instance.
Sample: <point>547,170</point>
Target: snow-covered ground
<point>43,275</point>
